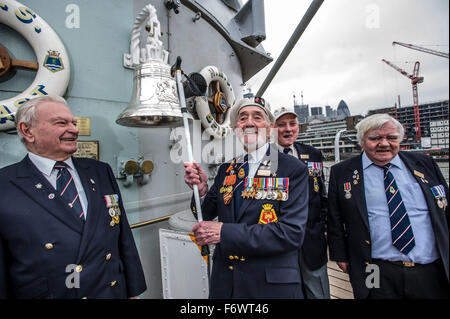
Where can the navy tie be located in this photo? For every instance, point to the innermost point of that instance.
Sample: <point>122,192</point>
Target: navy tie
<point>65,186</point>
<point>242,172</point>
<point>401,230</point>
<point>287,150</point>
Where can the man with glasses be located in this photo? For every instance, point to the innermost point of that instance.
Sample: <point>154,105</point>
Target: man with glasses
<point>388,217</point>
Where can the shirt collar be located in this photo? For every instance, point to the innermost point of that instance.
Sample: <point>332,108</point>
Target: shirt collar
<point>366,161</point>
<point>45,165</point>
<point>281,148</point>
<point>257,155</point>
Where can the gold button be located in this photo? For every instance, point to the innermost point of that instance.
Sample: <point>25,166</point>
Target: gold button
<point>112,223</point>
<point>367,242</point>
<point>230,267</point>
<point>49,245</point>
<point>230,257</point>
<point>242,258</point>
<point>236,257</point>
<point>108,256</point>
<point>78,268</point>
<point>113,283</point>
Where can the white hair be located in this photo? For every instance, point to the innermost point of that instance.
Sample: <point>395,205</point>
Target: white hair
<point>375,122</point>
<point>26,113</point>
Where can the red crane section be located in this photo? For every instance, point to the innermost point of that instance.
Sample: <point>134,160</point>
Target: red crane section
<point>415,79</point>
<point>422,49</point>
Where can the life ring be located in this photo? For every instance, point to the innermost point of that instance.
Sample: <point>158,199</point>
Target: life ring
<point>221,99</point>
<point>53,71</point>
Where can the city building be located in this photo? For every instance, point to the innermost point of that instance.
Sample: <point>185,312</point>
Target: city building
<point>342,109</point>
<point>302,112</point>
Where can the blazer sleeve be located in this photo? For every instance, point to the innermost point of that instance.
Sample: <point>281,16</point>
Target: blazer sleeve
<point>134,273</point>
<point>274,238</point>
<point>335,225</point>
<point>4,289</point>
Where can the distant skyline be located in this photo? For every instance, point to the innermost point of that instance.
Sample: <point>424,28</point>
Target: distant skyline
<point>339,55</point>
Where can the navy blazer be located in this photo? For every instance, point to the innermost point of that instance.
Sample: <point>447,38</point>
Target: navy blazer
<point>40,237</point>
<point>348,220</point>
<point>314,248</point>
<point>259,260</point>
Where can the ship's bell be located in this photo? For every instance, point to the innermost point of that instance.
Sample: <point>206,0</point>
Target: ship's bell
<point>154,101</point>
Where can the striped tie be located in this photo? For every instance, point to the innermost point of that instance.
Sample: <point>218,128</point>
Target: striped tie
<point>401,230</point>
<point>65,186</point>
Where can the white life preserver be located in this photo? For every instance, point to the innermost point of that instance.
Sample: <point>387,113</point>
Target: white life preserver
<point>211,74</point>
<point>53,73</point>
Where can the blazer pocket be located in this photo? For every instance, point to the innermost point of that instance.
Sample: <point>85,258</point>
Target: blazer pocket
<point>283,275</point>
<point>37,289</point>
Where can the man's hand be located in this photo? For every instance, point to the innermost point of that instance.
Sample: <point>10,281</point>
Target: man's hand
<point>195,175</point>
<point>207,233</point>
<point>343,266</point>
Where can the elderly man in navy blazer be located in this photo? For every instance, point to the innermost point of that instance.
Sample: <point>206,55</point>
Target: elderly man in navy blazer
<point>261,201</point>
<point>388,217</point>
<point>63,228</point>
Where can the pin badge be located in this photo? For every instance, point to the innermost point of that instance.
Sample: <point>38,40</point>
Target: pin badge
<point>38,185</point>
<point>51,196</point>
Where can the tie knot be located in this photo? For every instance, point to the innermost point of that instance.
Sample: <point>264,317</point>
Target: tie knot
<point>60,165</point>
<point>287,150</point>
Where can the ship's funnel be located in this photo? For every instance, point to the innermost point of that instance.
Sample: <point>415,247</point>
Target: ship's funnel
<point>154,101</point>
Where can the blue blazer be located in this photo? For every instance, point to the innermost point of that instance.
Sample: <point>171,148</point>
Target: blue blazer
<point>259,260</point>
<point>40,237</point>
<point>348,220</point>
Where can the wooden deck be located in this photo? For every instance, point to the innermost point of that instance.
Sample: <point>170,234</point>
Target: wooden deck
<point>340,287</point>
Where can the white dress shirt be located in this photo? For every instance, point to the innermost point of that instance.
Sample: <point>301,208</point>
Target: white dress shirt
<point>45,166</point>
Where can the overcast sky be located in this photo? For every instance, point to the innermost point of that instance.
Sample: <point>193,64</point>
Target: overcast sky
<point>339,55</point>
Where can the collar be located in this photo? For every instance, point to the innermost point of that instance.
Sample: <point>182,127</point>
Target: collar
<point>281,148</point>
<point>366,161</point>
<point>257,155</point>
<point>45,165</point>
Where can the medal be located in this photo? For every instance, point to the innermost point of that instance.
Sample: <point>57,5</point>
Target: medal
<point>439,194</point>
<point>316,185</point>
<point>440,203</point>
<point>347,189</point>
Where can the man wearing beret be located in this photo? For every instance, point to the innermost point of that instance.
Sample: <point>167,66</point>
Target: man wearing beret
<point>261,201</point>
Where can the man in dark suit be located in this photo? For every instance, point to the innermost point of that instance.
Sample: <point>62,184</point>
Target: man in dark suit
<point>388,217</point>
<point>313,254</point>
<point>261,200</point>
<point>63,228</point>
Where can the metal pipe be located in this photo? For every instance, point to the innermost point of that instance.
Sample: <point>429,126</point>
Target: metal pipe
<point>336,146</point>
<point>315,5</point>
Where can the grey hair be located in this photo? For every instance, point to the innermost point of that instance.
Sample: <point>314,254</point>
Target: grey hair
<point>26,113</point>
<point>375,122</point>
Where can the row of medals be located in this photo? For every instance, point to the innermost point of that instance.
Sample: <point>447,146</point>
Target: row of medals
<point>252,191</point>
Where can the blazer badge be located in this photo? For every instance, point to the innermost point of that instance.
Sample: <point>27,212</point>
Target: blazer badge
<point>268,215</point>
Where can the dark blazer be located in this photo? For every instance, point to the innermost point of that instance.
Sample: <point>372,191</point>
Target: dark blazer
<point>259,260</point>
<point>348,221</point>
<point>40,237</point>
<point>314,248</point>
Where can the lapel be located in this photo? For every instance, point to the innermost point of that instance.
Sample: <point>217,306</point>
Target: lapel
<point>416,168</point>
<point>357,191</point>
<point>31,181</point>
<point>88,174</point>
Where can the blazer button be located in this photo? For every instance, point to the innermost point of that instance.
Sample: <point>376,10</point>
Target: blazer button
<point>108,256</point>
<point>367,242</point>
<point>230,257</point>
<point>79,268</point>
<point>231,267</point>
<point>113,283</point>
<point>242,258</point>
<point>49,246</point>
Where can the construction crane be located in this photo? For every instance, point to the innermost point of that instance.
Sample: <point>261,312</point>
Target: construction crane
<point>422,49</point>
<point>415,79</point>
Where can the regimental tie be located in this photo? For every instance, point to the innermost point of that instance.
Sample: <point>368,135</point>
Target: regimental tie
<point>65,186</point>
<point>401,230</point>
<point>242,173</point>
